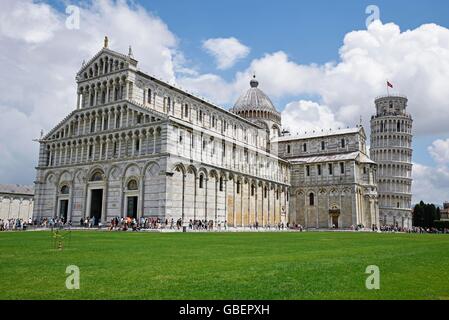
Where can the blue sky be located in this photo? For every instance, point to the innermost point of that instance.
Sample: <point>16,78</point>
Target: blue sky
<point>315,59</point>
<point>309,31</point>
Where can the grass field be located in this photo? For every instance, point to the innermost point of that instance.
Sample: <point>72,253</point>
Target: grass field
<point>117,265</point>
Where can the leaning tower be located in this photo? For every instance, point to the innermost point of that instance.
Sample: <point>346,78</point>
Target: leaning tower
<point>391,148</point>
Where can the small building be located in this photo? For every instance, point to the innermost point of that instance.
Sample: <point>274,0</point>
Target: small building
<point>16,201</point>
<point>445,211</point>
<point>333,180</point>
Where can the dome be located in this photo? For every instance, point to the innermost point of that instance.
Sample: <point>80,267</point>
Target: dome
<point>254,100</point>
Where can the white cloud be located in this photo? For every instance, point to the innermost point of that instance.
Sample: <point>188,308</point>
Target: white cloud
<point>210,86</point>
<point>39,60</point>
<point>415,61</point>
<point>306,116</point>
<point>30,22</point>
<point>226,51</point>
<point>430,184</point>
<point>439,150</point>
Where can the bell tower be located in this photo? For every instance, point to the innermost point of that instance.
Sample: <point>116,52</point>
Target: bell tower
<point>391,148</point>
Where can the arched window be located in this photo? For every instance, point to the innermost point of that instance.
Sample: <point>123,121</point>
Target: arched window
<point>253,188</point>
<point>65,190</point>
<point>221,183</point>
<point>97,176</point>
<point>132,185</point>
<point>238,187</point>
<point>288,149</point>
<point>117,121</point>
<point>265,192</point>
<point>149,96</point>
<point>168,104</point>
<point>311,199</point>
<point>201,181</point>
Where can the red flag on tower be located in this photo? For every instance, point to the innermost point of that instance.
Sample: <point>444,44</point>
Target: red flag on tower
<point>389,84</point>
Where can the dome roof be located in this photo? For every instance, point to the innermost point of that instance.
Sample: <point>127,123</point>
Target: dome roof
<point>254,100</point>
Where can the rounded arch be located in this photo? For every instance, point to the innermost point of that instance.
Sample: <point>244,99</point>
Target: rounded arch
<point>79,175</point>
<point>213,174</point>
<point>94,169</point>
<point>65,176</point>
<point>203,171</point>
<point>132,183</point>
<point>114,172</point>
<point>96,175</point>
<point>130,168</point>
<point>64,189</point>
<point>151,168</point>
<point>191,169</point>
<point>50,176</point>
<point>179,167</point>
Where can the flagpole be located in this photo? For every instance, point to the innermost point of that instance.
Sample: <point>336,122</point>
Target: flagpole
<point>388,90</point>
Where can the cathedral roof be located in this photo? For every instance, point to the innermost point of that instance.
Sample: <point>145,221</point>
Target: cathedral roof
<point>356,155</point>
<point>254,100</point>
<point>16,189</point>
<point>323,133</point>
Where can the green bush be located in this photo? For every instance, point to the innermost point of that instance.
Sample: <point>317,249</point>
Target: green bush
<point>442,224</point>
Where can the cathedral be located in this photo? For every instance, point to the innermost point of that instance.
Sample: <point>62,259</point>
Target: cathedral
<point>136,146</point>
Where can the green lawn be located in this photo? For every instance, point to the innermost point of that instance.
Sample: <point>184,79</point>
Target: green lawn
<point>117,265</point>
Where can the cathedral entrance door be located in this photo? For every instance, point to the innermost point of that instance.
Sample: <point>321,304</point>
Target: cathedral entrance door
<point>334,213</point>
<point>335,221</point>
<point>63,209</point>
<point>131,207</point>
<point>96,205</point>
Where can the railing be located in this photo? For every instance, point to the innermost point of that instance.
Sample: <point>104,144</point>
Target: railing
<point>391,96</point>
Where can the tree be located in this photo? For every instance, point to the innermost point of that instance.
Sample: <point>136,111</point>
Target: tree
<point>418,215</point>
<point>425,215</point>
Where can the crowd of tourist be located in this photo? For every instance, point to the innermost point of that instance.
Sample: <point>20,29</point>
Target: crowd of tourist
<point>392,228</point>
<point>154,223</point>
<point>14,224</point>
<point>129,223</point>
<point>24,224</point>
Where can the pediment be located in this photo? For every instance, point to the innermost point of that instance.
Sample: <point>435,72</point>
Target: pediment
<point>105,61</point>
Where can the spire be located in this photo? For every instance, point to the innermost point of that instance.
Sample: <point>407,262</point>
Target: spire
<point>106,42</point>
<point>254,83</point>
